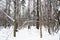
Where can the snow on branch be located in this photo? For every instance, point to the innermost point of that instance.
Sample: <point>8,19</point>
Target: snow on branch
<point>7,15</point>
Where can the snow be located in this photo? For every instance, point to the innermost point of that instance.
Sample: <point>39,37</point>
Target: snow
<point>42,0</point>
<point>27,34</point>
<point>58,8</point>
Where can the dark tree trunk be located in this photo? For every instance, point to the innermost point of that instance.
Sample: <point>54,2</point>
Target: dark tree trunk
<point>37,23</point>
<point>59,17</point>
<point>15,26</point>
<point>28,26</point>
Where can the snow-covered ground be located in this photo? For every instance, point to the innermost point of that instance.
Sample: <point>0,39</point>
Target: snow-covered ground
<point>25,34</point>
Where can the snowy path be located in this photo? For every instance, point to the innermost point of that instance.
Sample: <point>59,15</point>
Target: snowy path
<point>25,34</point>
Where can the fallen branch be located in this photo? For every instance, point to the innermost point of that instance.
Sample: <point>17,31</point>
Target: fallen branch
<point>7,15</point>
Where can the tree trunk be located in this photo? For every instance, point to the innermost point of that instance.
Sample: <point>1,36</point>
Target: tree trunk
<point>29,13</point>
<point>15,18</point>
<point>49,16</point>
<point>37,23</point>
<point>40,20</point>
<point>59,17</point>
